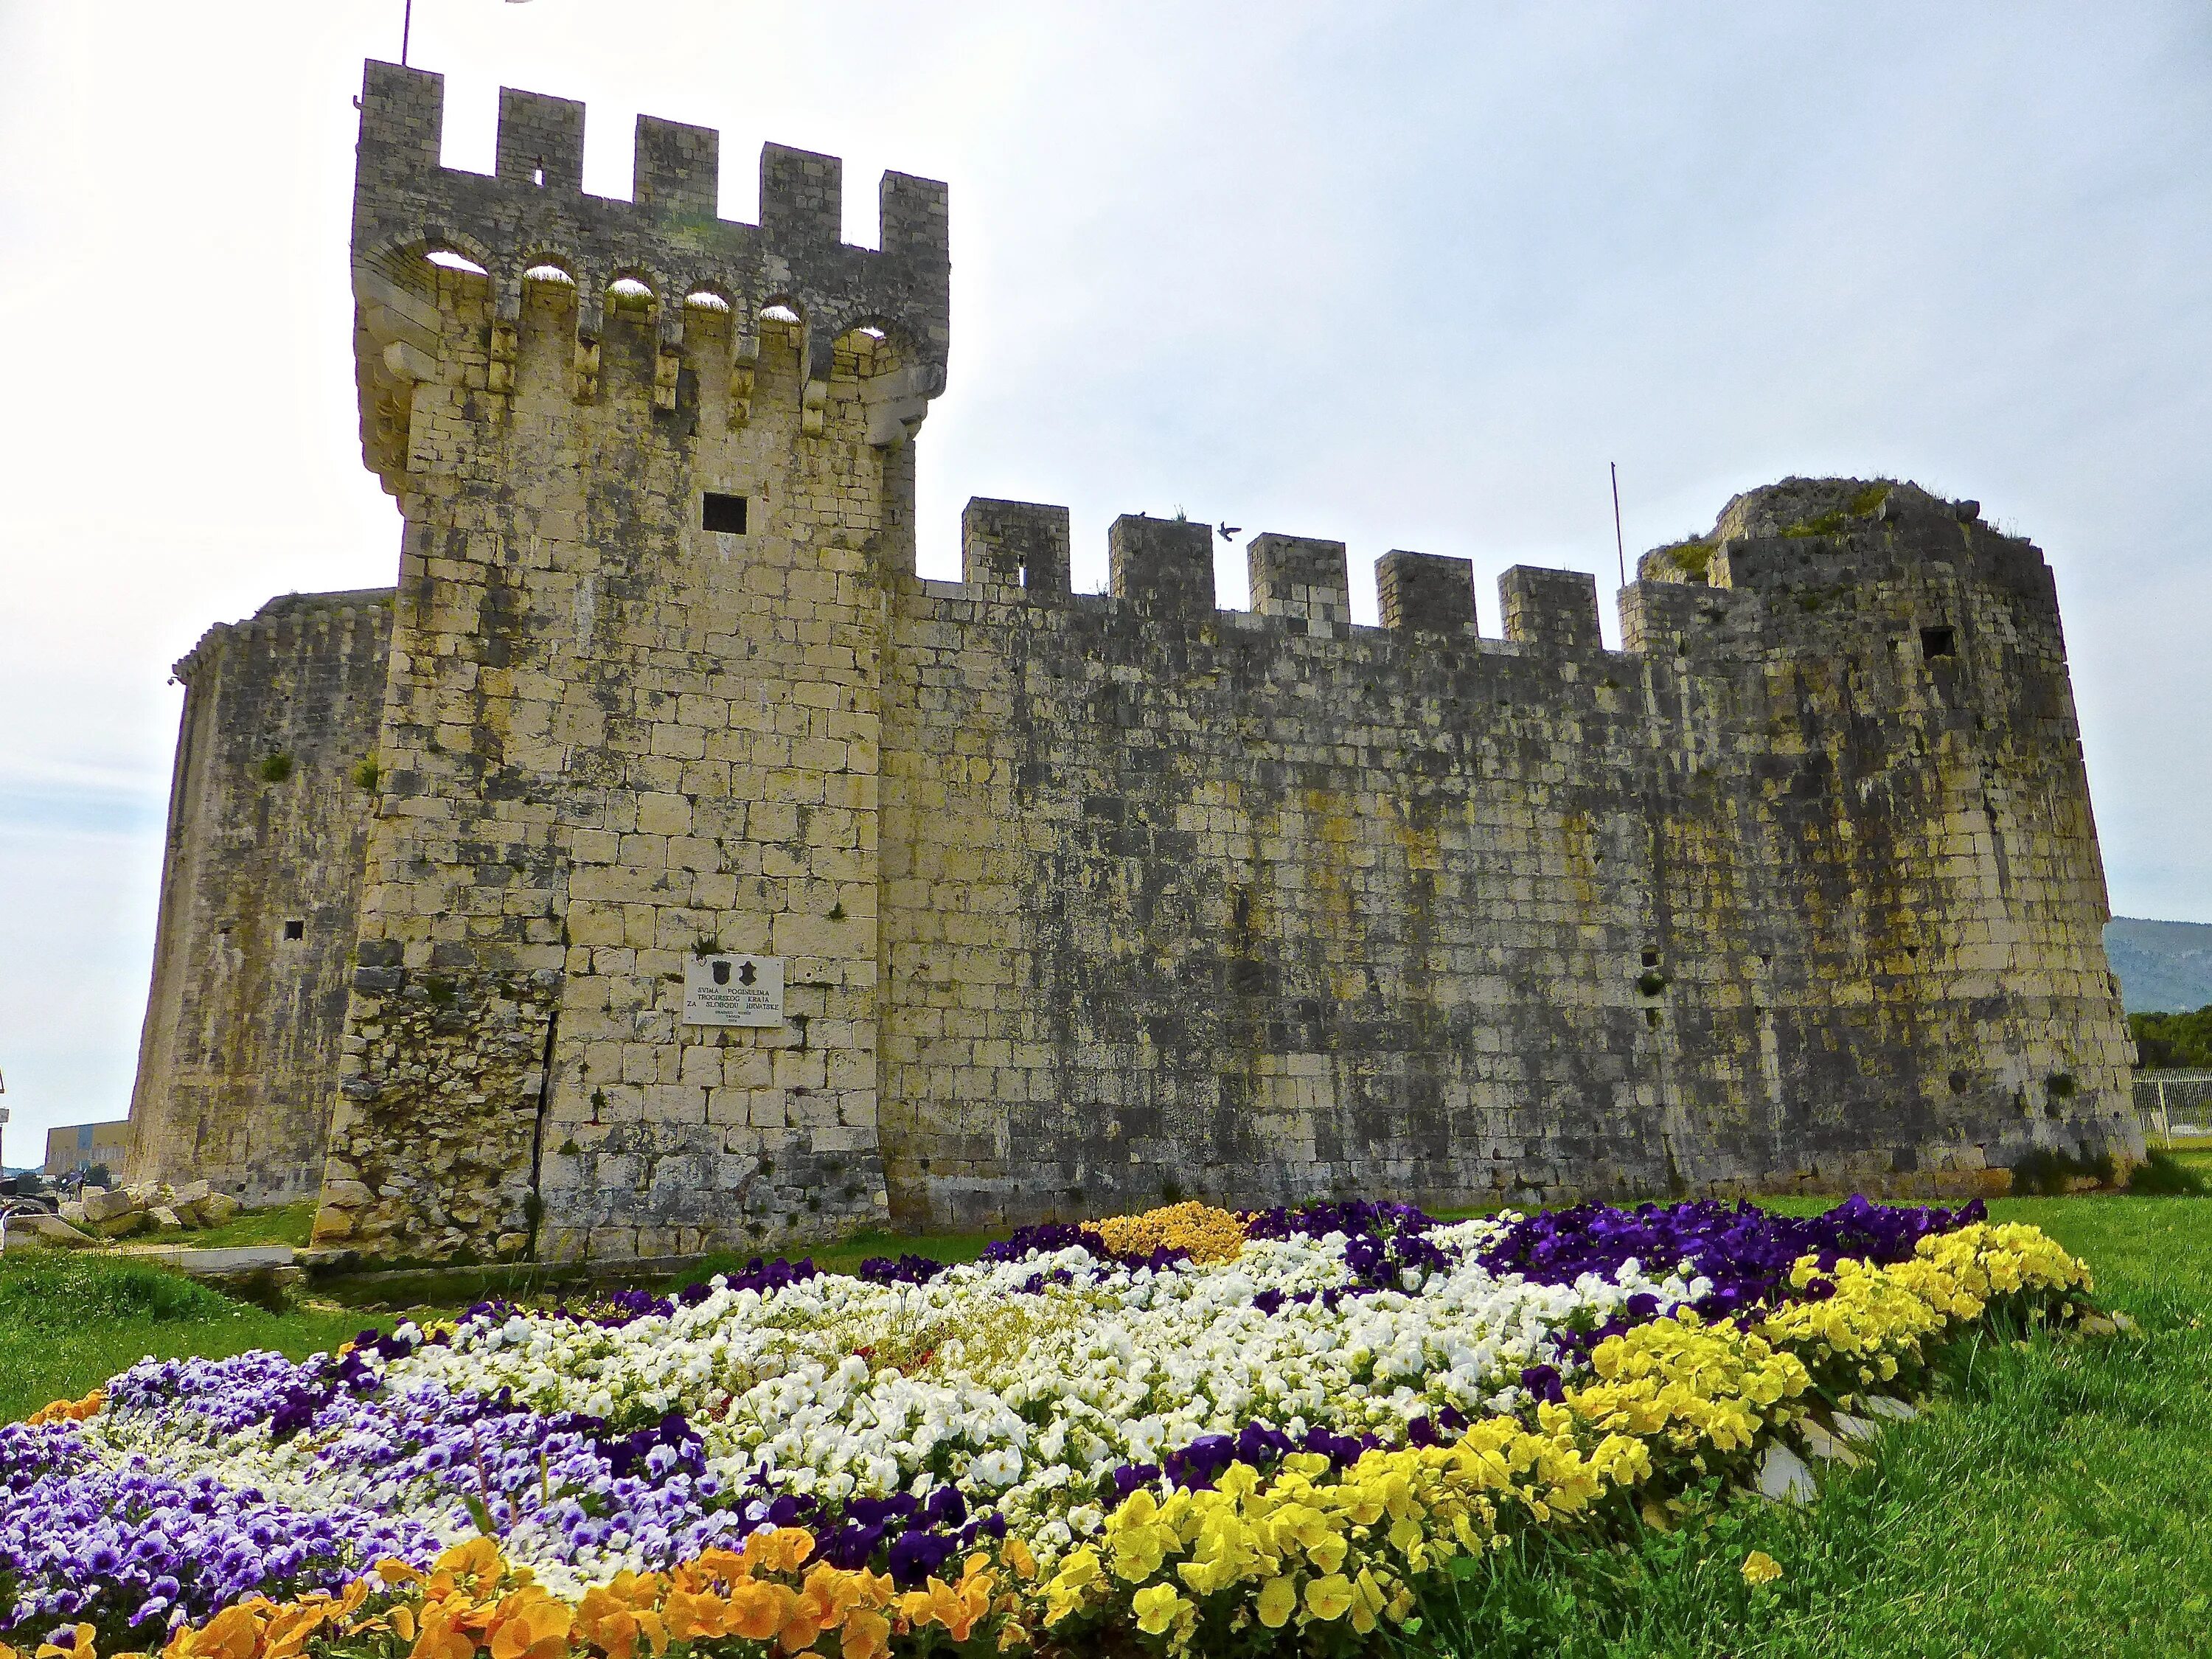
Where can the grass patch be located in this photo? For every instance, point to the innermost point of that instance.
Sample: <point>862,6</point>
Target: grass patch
<point>1694,557</point>
<point>846,1255</point>
<point>2196,1159</point>
<point>2054,1500</point>
<point>69,1323</point>
<point>2165,1174</point>
<point>289,1224</point>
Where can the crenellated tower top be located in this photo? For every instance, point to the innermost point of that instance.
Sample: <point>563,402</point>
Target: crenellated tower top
<point>533,213</point>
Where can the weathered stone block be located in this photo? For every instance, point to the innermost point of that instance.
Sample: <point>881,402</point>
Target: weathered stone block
<point>1427,593</point>
<point>216,1208</point>
<point>52,1232</point>
<point>1164,565</point>
<point>101,1205</point>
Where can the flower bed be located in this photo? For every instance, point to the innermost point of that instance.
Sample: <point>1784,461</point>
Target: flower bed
<point>1165,1429</point>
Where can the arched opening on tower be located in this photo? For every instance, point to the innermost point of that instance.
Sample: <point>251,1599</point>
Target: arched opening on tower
<point>447,258</point>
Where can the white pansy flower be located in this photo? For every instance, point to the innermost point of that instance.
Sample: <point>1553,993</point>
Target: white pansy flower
<point>834,1389</point>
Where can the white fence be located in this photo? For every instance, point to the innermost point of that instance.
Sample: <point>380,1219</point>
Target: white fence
<point>2163,1099</point>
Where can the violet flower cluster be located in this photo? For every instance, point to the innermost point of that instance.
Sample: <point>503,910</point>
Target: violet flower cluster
<point>457,1461</point>
<point>134,1552</point>
<point>1746,1252</point>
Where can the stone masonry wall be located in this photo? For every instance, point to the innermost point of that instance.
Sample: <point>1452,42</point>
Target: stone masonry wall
<point>260,881</point>
<point>1800,892</point>
<point>1083,901</point>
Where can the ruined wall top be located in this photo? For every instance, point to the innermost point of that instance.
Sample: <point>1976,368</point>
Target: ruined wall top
<point>363,606</point>
<point>1801,532</point>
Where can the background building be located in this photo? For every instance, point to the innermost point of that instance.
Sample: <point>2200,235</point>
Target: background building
<point>73,1146</point>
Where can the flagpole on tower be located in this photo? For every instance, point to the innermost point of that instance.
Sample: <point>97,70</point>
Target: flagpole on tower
<point>1619,547</point>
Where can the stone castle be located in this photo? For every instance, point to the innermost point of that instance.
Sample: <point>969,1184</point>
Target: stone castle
<point>478,888</point>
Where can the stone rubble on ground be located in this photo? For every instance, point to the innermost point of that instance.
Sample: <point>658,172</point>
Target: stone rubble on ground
<point>48,1230</point>
<point>1783,1478</point>
<point>1827,1447</point>
<point>152,1207</point>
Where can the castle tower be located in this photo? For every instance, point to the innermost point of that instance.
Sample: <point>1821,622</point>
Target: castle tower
<point>655,473</point>
<point>1877,790</point>
<point>260,881</point>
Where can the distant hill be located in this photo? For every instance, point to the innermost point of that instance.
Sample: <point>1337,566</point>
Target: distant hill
<point>2165,967</point>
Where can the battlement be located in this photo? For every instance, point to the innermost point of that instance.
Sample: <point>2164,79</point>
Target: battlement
<point>1300,577</point>
<point>1015,544</point>
<point>1904,562</point>
<point>282,619</point>
<point>1556,608</point>
<point>532,212</point>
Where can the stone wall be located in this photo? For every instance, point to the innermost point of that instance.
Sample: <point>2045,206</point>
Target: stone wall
<point>260,884</point>
<point>1801,891</point>
<point>1083,901</point>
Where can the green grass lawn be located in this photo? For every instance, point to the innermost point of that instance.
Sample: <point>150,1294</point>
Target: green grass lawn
<point>69,1322</point>
<point>2056,1500</point>
<point>290,1224</point>
<point>846,1255</point>
<point>2194,1152</point>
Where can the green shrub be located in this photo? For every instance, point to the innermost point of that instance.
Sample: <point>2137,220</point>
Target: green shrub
<point>277,767</point>
<point>368,773</point>
<point>2182,1041</point>
<point>1826,523</point>
<point>2164,1176</point>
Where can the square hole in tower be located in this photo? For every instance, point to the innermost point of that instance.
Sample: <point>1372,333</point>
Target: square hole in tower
<point>724,514</point>
<point>296,929</point>
<point>1938,643</point>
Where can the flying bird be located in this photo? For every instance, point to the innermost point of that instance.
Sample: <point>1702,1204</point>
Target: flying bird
<point>1230,532</point>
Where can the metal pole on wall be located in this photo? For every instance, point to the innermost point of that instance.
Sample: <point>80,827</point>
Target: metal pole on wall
<point>406,29</point>
<point>1619,547</point>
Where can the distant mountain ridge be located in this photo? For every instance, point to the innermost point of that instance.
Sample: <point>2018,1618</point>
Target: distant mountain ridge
<point>2164,967</point>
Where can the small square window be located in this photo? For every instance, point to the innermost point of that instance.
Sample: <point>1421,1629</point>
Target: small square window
<point>724,514</point>
<point>1938,643</point>
<point>296,929</point>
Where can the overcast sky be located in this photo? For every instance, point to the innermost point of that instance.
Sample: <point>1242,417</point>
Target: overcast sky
<point>1404,276</point>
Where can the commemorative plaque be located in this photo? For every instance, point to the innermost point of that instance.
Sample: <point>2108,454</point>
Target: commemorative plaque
<point>734,991</point>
